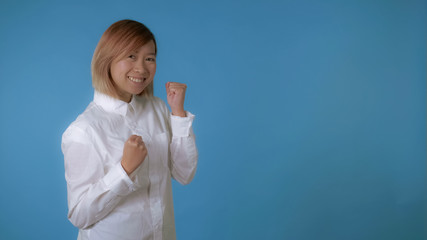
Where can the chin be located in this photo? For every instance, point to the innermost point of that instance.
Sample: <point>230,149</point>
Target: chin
<point>139,93</point>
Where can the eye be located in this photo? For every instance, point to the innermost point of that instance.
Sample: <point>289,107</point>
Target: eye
<point>132,56</point>
<point>150,59</point>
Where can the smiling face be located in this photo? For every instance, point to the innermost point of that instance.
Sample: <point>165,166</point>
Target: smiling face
<point>134,72</point>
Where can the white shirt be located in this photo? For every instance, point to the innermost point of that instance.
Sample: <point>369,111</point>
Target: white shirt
<point>104,202</point>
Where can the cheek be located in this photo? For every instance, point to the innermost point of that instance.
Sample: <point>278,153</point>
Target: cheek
<point>153,69</point>
<point>119,68</point>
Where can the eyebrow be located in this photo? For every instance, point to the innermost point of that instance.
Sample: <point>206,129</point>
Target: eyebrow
<point>148,54</point>
<point>136,52</point>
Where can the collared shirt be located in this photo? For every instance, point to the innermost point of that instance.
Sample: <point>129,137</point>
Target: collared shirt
<point>104,202</point>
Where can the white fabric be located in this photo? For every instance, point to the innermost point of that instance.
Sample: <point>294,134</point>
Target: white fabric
<point>104,202</point>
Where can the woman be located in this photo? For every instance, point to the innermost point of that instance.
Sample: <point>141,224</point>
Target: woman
<point>122,151</point>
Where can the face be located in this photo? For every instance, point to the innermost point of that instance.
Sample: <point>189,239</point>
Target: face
<point>134,72</point>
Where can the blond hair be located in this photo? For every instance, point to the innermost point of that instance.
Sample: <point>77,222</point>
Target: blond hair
<point>119,39</point>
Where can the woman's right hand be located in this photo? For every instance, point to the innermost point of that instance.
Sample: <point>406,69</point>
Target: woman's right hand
<point>134,153</point>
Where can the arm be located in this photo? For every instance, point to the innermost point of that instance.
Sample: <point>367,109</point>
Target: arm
<point>92,193</point>
<point>183,145</point>
<point>183,148</point>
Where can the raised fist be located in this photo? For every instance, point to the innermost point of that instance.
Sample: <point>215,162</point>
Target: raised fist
<point>176,96</point>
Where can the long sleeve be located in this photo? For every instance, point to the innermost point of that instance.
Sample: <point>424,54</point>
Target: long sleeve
<point>183,149</point>
<point>92,192</point>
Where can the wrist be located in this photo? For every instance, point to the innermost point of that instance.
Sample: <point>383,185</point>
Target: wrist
<point>124,168</point>
<point>179,113</point>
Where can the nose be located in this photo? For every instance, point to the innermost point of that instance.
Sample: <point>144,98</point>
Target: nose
<point>140,67</point>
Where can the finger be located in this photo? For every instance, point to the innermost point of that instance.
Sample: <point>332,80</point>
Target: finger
<point>167,88</point>
<point>172,91</point>
<point>177,85</point>
<point>132,138</point>
<point>177,91</point>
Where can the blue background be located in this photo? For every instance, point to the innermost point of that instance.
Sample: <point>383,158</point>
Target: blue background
<point>311,115</point>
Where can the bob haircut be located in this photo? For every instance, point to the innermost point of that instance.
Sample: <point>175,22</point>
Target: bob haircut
<point>120,39</point>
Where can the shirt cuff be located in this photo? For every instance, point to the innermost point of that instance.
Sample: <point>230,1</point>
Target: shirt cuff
<point>118,181</point>
<point>181,125</point>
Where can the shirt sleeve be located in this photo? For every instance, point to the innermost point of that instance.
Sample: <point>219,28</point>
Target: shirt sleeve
<point>92,193</point>
<point>184,155</point>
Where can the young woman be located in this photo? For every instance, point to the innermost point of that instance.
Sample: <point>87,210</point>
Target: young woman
<point>122,151</point>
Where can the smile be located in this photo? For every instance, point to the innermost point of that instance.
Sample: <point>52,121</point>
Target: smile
<point>134,79</point>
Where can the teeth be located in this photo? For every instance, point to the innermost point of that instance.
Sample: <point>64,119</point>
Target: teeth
<point>135,79</point>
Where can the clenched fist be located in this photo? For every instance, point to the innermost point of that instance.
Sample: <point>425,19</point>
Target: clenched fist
<point>176,96</point>
<point>134,153</point>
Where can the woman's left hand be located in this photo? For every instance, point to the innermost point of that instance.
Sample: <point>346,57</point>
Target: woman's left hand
<point>176,96</point>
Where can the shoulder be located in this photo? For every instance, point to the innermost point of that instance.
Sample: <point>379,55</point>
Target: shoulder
<point>159,102</point>
<point>83,126</point>
<point>154,103</point>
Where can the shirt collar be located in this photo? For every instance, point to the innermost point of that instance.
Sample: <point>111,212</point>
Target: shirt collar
<point>111,104</point>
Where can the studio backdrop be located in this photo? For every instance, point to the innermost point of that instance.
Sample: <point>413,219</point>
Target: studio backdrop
<point>310,115</point>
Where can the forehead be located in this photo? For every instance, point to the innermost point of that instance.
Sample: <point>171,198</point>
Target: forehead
<point>148,48</point>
